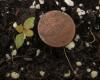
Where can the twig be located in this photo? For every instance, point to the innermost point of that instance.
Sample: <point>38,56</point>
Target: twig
<point>69,61</point>
<point>92,36</point>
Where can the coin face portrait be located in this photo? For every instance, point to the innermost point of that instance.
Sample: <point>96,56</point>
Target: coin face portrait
<point>56,28</point>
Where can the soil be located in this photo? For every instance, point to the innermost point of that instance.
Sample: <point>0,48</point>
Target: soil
<point>38,61</point>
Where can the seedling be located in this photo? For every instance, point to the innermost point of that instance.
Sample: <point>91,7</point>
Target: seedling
<point>24,31</point>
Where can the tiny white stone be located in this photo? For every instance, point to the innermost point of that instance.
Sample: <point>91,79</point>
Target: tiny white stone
<point>88,70</point>
<point>69,2</point>
<point>77,37</point>
<point>97,7</point>
<point>87,44</point>
<point>78,63</point>
<point>41,1</point>
<point>80,4</point>
<point>8,56</point>
<point>71,45</point>
<point>7,12</point>
<point>22,68</point>
<point>28,43</point>
<point>14,52</point>
<point>99,15</point>
<point>57,3</point>
<point>67,74</point>
<point>38,52</point>
<point>89,22</point>
<point>75,72</point>
<point>94,63</point>
<point>8,75</point>
<point>15,75</point>
<point>33,5</point>
<point>63,8</point>
<point>37,6</point>
<point>42,73</point>
<point>15,24</point>
<point>11,47</point>
<point>80,12</point>
<point>94,74</point>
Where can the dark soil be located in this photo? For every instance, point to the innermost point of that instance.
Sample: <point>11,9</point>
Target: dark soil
<point>50,60</point>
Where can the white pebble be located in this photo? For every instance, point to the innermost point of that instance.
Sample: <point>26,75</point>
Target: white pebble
<point>15,24</point>
<point>97,7</point>
<point>87,44</point>
<point>88,70</point>
<point>71,45</point>
<point>11,47</point>
<point>37,6</point>
<point>15,75</point>
<point>69,2</point>
<point>38,52</point>
<point>99,15</point>
<point>94,63</point>
<point>14,52</point>
<point>81,5</point>
<point>22,68</point>
<point>8,56</point>
<point>33,5</point>
<point>94,74</point>
<point>8,75</point>
<point>57,3</point>
<point>42,73</point>
<point>78,63</point>
<point>77,37</point>
<point>63,8</point>
<point>80,12</point>
<point>66,75</point>
<point>41,1</point>
<point>28,43</point>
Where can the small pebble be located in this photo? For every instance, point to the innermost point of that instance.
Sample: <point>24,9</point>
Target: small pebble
<point>15,24</point>
<point>38,52</point>
<point>11,47</point>
<point>33,5</point>
<point>14,52</point>
<point>77,37</point>
<point>28,43</point>
<point>78,63</point>
<point>57,3</point>
<point>80,12</point>
<point>71,45</point>
<point>66,75</point>
<point>8,56</point>
<point>94,74</point>
<point>37,6</point>
<point>63,8</point>
<point>42,73</point>
<point>69,2</point>
<point>81,5</point>
<point>97,7</point>
<point>15,75</point>
<point>41,1</point>
<point>88,70</point>
<point>87,44</point>
<point>8,75</point>
<point>22,68</point>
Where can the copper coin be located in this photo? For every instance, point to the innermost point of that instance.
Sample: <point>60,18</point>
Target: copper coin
<point>56,28</point>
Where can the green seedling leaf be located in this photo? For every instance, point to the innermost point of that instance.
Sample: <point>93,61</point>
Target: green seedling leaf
<point>28,33</point>
<point>19,28</point>
<point>29,23</point>
<point>19,40</point>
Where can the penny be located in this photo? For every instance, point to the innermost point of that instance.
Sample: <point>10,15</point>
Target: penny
<point>56,28</point>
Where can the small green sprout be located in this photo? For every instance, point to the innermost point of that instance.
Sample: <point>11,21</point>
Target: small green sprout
<point>24,31</point>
